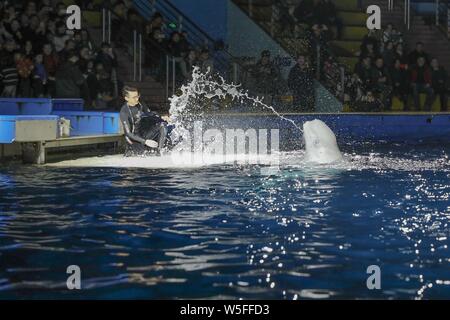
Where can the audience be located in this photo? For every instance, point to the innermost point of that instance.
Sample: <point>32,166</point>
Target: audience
<point>386,71</point>
<point>39,57</point>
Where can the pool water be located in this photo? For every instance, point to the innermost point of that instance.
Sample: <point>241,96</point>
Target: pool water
<point>226,231</point>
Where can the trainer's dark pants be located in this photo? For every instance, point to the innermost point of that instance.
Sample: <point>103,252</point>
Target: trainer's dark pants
<point>158,133</point>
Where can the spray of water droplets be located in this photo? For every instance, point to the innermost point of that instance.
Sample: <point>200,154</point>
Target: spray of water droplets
<point>203,86</point>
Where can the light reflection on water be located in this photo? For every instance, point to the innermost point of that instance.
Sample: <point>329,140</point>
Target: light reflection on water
<point>225,231</point>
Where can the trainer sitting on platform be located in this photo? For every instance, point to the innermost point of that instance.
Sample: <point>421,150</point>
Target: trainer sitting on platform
<point>145,131</point>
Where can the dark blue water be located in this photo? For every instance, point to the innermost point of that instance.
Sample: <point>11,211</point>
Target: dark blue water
<point>228,232</point>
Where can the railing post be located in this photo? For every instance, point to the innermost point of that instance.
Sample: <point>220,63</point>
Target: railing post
<point>250,8</point>
<point>235,73</point>
<point>447,20</point>
<point>180,23</point>
<point>140,56</point>
<point>405,19</point>
<point>114,77</point>
<point>409,14</point>
<point>437,13</point>
<point>173,76</point>
<point>109,26</point>
<point>272,20</point>
<point>103,24</point>
<point>318,62</point>
<point>167,77</point>
<point>342,73</point>
<point>134,54</point>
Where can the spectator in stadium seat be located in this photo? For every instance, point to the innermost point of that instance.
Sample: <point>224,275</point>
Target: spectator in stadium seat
<point>59,40</point>
<point>100,87</point>
<point>205,62</point>
<point>301,83</point>
<point>319,38</point>
<point>396,37</point>
<point>28,50</point>
<point>51,63</point>
<point>39,77</point>
<point>421,82</point>
<point>265,75</point>
<point>25,28</point>
<point>156,23</point>
<point>327,15</point>
<point>389,54</point>
<point>9,76</point>
<point>400,83</point>
<point>176,46</point>
<point>365,72</point>
<point>15,31</point>
<point>439,78</point>
<point>85,60</point>
<point>69,46</point>
<point>190,61</point>
<point>86,40</point>
<point>107,57</point>
<point>120,32</point>
<point>369,51</point>
<point>401,55</point>
<point>39,36</point>
<point>155,52</point>
<point>24,67</point>
<point>387,33</point>
<point>304,12</point>
<point>371,37</point>
<point>284,18</point>
<point>31,8</point>
<point>382,83</point>
<point>8,49</point>
<point>418,53</point>
<point>178,49</point>
<point>69,78</point>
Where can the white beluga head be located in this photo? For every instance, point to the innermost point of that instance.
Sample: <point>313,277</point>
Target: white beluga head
<point>320,143</point>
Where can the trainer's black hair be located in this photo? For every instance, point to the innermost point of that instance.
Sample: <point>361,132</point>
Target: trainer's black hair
<point>127,89</point>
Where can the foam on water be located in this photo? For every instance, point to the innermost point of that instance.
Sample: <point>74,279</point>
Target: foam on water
<point>294,160</point>
<point>180,160</point>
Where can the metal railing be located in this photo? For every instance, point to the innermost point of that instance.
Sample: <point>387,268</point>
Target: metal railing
<point>440,13</point>
<point>135,45</point>
<point>407,13</point>
<point>443,17</point>
<point>196,36</point>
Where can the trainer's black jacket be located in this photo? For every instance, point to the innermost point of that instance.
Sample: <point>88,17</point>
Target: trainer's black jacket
<point>129,116</point>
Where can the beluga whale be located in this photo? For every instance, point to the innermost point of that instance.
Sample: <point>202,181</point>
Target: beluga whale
<point>320,143</point>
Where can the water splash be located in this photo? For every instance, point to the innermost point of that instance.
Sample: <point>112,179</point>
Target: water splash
<point>203,86</point>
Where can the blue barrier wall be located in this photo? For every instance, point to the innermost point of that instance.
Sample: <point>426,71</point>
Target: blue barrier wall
<point>36,106</point>
<point>348,127</point>
<point>8,125</point>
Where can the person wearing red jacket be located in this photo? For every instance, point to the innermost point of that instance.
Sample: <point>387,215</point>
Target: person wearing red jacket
<point>421,82</point>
